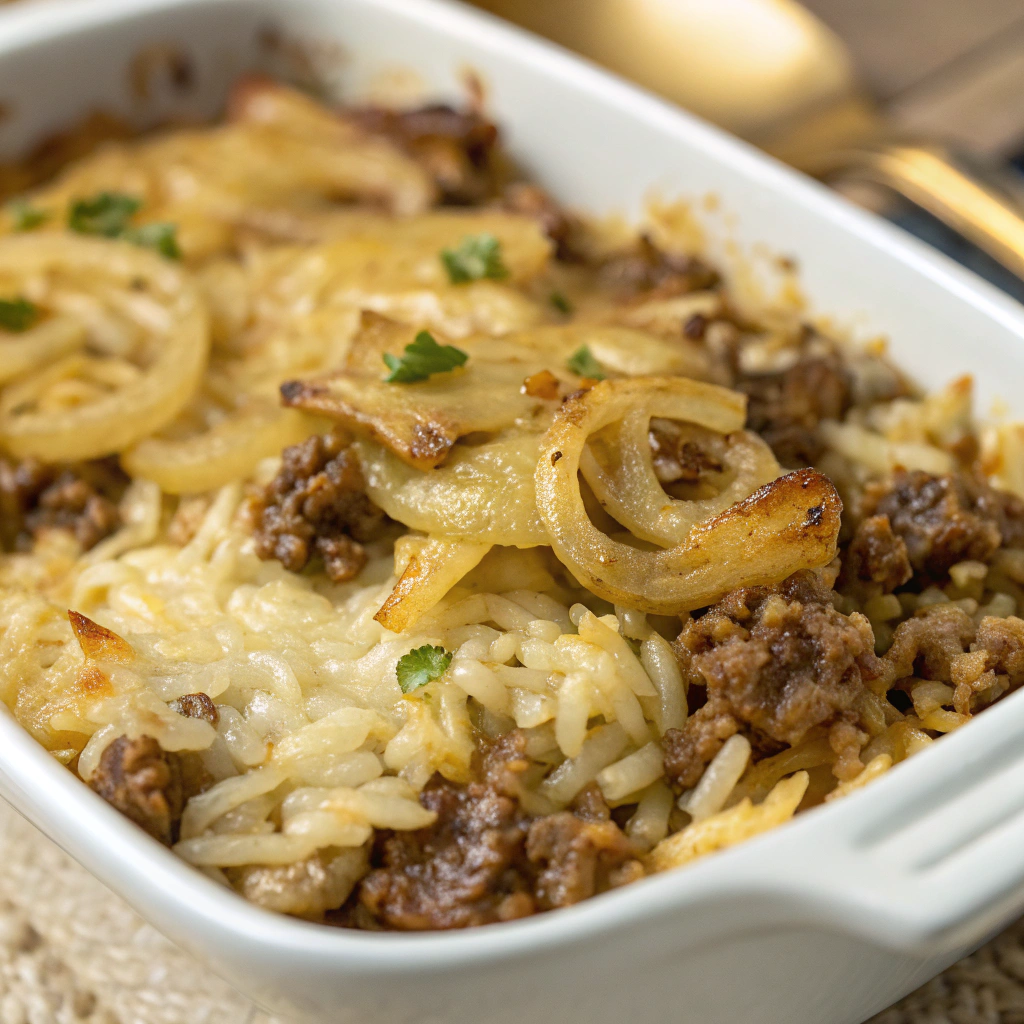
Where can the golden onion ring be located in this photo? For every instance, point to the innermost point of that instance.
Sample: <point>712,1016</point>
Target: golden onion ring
<point>789,524</point>
<point>147,401</point>
<point>39,346</point>
<point>626,485</point>
<point>228,451</point>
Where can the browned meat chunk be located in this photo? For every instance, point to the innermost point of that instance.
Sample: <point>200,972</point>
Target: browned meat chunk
<point>779,660</point>
<point>457,873</point>
<point>996,661</point>
<point>690,749</point>
<point>485,860</point>
<point>1002,508</point>
<point>645,270</point>
<point>460,871</point>
<point>942,643</point>
<point>941,519</point>
<point>926,645</point>
<point>458,148</point>
<point>785,408</point>
<point>877,556</point>
<point>144,782</point>
<point>317,506</point>
<point>80,498</point>
<point>196,705</point>
<point>575,858</point>
<point>309,888</point>
<point>677,457</point>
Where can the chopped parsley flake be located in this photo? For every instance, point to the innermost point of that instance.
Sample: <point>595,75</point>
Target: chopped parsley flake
<point>477,257</point>
<point>582,361</point>
<point>106,214</point>
<point>17,314</point>
<point>561,303</point>
<point>26,216</point>
<point>159,236</point>
<point>422,359</point>
<point>422,666</point>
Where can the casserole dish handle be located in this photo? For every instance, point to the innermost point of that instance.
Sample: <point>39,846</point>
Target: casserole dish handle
<point>928,859</point>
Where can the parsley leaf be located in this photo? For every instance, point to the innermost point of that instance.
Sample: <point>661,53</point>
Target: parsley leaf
<point>106,214</point>
<point>477,257</point>
<point>422,666</point>
<point>423,358</point>
<point>17,314</point>
<point>159,236</point>
<point>561,303</point>
<point>26,216</point>
<point>582,361</point>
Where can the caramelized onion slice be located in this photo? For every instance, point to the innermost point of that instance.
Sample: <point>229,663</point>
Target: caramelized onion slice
<point>789,524</point>
<point>620,350</point>
<point>226,452</point>
<point>133,402</point>
<point>433,565</point>
<point>421,422</point>
<point>483,492</point>
<point>620,472</point>
<point>322,149</point>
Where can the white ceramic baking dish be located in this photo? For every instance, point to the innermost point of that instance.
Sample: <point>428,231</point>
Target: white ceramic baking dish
<point>826,920</point>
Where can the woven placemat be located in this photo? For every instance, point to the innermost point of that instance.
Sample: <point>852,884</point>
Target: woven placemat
<point>73,953</point>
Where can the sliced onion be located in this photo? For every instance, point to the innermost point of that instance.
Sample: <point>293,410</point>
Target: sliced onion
<point>627,487</point>
<point>433,568</point>
<point>145,400</point>
<point>226,452</point>
<point>789,524</point>
<point>39,346</point>
<point>484,492</point>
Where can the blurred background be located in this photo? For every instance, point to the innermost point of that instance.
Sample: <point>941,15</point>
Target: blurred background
<point>914,108</point>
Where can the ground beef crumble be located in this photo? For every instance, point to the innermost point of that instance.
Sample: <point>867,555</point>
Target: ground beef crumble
<point>80,498</point>
<point>943,643</point>
<point>486,860</point>
<point>309,888</point>
<point>144,782</point>
<point>876,559</point>
<point>676,456</point>
<point>458,148</point>
<point>196,705</point>
<point>317,506</point>
<point>775,662</point>
<point>785,408</point>
<point>649,272</point>
<point>943,520</point>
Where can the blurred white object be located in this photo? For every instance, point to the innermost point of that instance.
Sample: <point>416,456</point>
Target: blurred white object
<point>746,64</point>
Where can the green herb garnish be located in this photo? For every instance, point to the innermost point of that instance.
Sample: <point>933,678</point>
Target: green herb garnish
<point>477,257</point>
<point>17,314</point>
<point>422,359</point>
<point>159,236</point>
<point>106,214</point>
<point>422,666</point>
<point>561,303</point>
<point>26,216</point>
<point>582,361</point>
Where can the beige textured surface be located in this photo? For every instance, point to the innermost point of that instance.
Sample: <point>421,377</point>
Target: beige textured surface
<point>73,953</point>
